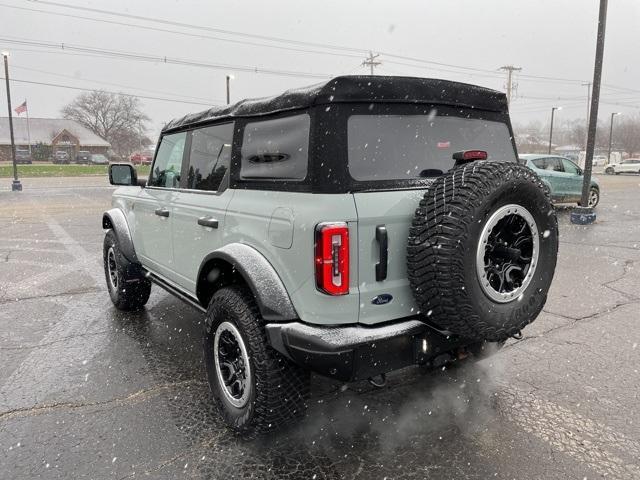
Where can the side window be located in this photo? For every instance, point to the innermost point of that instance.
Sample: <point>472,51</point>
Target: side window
<point>166,168</point>
<point>276,149</point>
<point>540,163</point>
<point>569,167</point>
<point>209,157</point>
<point>553,164</point>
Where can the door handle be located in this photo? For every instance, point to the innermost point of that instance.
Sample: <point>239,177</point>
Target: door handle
<point>208,222</point>
<point>383,244</point>
<point>162,212</point>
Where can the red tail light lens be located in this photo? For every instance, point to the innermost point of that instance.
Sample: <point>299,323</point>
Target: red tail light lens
<point>470,155</point>
<point>332,258</point>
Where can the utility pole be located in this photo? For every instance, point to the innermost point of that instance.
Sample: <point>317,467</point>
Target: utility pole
<point>510,69</point>
<point>553,109</point>
<point>585,215</point>
<point>16,186</point>
<point>613,114</point>
<point>371,62</point>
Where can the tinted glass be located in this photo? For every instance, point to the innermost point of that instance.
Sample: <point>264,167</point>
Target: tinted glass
<point>540,163</point>
<point>400,147</point>
<point>166,169</point>
<point>569,167</point>
<point>554,164</point>
<point>551,164</point>
<point>209,156</point>
<point>276,149</point>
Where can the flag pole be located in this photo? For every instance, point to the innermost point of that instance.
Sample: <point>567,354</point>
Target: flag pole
<point>28,128</point>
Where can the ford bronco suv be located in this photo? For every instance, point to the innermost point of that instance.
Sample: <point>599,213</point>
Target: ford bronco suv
<point>351,228</point>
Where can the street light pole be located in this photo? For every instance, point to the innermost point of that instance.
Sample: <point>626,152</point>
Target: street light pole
<point>229,78</point>
<point>553,109</point>
<point>611,136</point>
<point>16,186</point>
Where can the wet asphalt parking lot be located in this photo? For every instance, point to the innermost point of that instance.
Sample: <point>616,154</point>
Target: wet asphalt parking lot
<point>90,392</point>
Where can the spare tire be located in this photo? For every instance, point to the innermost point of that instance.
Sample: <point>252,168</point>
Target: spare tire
<point>482,250</point>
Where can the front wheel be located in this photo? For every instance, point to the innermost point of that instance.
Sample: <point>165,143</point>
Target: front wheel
<point>256,388</point>
<point>609,171</point>
<point>128,288</point>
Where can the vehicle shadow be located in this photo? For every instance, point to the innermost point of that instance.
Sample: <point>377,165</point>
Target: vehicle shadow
<point>350,429</point>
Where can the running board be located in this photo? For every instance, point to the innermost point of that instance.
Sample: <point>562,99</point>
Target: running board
<point>175,291</point>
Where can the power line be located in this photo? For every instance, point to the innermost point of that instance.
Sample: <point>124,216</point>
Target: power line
<point>178,97</point>
<point>201,27</point>
<point>177,32</point>
<point>352,51</point>
<point>162,59</point>
<point>69,87</point>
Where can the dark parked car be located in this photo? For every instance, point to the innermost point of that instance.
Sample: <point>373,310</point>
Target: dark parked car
<point>98,159</point>
<point>23,157</point>
<point>83,156</point>
<point>61,157</point>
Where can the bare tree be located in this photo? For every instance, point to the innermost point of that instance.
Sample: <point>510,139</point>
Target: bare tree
<point>577,133</point>
<point>627,134</point>
<point>115,117</point>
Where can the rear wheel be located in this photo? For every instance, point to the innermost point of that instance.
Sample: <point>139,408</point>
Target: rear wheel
<point>256,388</point>
<point>594,197</point>
<point>482,250</point>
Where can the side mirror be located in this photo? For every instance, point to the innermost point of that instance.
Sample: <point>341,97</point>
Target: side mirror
<point>122,174</point>
<point>579,172</point>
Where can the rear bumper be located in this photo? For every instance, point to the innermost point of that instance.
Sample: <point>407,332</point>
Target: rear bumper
<point>350,353</point>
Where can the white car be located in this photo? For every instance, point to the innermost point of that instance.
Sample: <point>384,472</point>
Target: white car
<point>599,160</point>
<point>630,165</point>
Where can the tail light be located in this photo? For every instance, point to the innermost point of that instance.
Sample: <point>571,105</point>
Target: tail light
<point>332,258</point>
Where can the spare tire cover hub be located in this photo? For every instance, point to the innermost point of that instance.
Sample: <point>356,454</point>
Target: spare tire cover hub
<point>507,253</point>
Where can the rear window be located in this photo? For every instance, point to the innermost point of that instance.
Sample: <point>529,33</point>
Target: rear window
<point>405,147</point>
<point>276,149</point>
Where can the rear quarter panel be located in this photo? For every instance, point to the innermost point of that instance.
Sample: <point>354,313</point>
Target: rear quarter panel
<point>281,226</point>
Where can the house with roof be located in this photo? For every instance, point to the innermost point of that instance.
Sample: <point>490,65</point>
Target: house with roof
<point>54,133</point>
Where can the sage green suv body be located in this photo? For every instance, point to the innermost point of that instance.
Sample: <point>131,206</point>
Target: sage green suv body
<point>300,207</point>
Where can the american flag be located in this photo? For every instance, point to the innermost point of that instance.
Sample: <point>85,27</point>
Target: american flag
<point>21,108</point>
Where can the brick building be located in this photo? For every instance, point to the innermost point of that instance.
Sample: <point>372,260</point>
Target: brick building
<point>54,133</point>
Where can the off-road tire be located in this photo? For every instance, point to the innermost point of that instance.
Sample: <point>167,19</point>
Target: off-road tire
<point>444,238</point>
<point>131,289</point>
<point>279,388</point>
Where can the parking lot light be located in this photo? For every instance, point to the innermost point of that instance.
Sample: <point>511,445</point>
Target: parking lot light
<point>16,186</point>
<point>229,78</point>
<point>613,114</point>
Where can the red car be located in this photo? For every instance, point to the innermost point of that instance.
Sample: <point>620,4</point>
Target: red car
<point>141,158</point>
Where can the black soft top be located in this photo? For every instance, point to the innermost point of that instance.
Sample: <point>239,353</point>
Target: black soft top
<point>356,88</point>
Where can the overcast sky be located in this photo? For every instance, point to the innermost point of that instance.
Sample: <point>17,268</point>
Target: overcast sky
<point>545,38</point>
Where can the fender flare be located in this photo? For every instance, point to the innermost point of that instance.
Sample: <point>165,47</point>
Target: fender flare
<point>265,284</point>
<point>116,220</point>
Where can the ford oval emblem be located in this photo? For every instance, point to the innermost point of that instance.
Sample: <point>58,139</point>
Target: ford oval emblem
<point>382,299</point>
